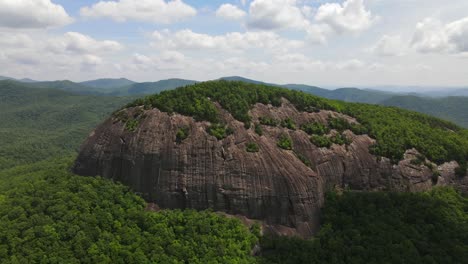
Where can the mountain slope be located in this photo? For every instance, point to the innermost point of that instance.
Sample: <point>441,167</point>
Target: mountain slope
<point>152,87</point>
<point>39,123</point>
<point>108,83</point>
<point>454,109</point>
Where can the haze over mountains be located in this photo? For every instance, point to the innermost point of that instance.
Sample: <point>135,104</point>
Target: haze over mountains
<point>449,104</point>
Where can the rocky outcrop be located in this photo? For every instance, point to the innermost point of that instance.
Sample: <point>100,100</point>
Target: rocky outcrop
<point>272,185</point>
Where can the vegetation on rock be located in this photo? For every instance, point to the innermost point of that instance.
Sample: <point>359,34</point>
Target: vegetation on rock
<point>182,133</point>
<point>285,142</point>
<point>395,130</point>
<point>251,147</point>
<point>219,131</point>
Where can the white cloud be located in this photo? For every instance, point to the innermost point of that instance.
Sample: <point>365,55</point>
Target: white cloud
<point>276,14</point>
<point>155,11</point>
<point>389,46</point>
<point>75,42</point>
<point>42,55</point>
<point>230,42</point>
<point>351,16</point>
<point>230,12</point>
<point>351,65</point>
<point>433,36</point>
<point>319,24</point>
<point>32,14</point>
<point>15,40</point>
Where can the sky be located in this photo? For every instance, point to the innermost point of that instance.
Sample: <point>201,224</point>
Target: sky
<point>335,43</point>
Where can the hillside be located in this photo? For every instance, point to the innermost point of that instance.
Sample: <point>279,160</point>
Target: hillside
<point>454,109</point>
<point>108,83</point>
<point>151,87</point>
<point>39,123</point>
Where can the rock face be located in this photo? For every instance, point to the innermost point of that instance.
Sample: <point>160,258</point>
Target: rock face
<point>272,185</point>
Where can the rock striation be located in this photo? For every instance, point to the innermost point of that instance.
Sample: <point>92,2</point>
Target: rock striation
<point>273,185</point>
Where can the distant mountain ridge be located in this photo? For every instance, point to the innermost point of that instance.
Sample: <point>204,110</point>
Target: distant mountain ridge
<point>108,83</point>
<point>430,103</point>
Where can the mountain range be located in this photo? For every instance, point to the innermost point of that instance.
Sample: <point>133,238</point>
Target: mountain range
<point>449,104</point>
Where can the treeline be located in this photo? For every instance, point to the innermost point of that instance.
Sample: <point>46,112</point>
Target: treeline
<point>396,130</point>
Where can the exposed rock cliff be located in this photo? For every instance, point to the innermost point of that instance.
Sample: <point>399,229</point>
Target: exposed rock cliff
<point>273,184</point>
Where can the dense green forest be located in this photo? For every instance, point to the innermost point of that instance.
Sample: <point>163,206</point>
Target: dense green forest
<point>359,227</point>
<point>454,109</point>
<point>39,123</point>
<point>396,130</point>
<point>51,216</point>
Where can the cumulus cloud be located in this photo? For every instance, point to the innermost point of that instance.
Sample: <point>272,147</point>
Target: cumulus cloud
<point>39,53</point>
<point>230,12</point>
<point>230,42</point>
<point>351,16</point>
<point>155,11</point>
<point>78,43</point>
<point>319,23</point>
<point>431,35</point>
<point>276,14</point>
<point>389,46</point>
<point>32,14</point>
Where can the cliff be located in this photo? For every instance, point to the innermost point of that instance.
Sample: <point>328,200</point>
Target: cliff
<point>281,187</point>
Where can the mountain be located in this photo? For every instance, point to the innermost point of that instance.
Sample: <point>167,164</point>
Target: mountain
<point>39,123</point>
<point>66,85</point>
<point>5,78</point>
<point>343,94</point>
<point>152,87</point>
<point>108,83</point>
<point>454,109</point>
<point>269,153</point>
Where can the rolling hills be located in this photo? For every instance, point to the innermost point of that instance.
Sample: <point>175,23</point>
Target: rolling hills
<point>39,123</point>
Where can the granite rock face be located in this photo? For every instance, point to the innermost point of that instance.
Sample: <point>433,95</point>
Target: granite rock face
<point>272,185</point>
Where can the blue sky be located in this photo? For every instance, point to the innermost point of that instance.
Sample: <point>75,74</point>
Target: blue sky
<point>326,43</point>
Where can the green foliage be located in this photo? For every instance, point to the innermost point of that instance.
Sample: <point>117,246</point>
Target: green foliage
<point>182,133</point>
<point>304,159</point>
<point>460,171</point>
<point>220,131</point>
<point>288,123</point>
<point>338,123</point>
<point>268,121</point>
<point>340,139</point>
<point>285,142</point>
<point>395,130</point>
<point>321,141</point>
<point>382,227</point>
<point>452,108</point>
<point>37,124</point>
<point>251,147</point>
<point>315,128</point>
<point>258,129</point>
<point>418,160</point>
<point>132,124</point>
<point>51,216</point>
